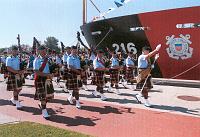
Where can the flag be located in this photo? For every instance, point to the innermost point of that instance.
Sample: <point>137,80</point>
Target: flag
<point>119,3</point>
<point>104,13</point>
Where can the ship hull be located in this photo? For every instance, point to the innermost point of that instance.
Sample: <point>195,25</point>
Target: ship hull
<point>177,30</point>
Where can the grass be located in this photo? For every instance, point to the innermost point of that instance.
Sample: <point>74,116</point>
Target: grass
<point>29,129</point>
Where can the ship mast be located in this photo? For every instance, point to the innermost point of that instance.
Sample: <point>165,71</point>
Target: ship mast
<point>84,12</point>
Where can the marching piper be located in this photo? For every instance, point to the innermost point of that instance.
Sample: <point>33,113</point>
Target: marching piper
<point>130,68</point>
<point>59,65</point>
<point>114,73</point>
<point>43,80</point>
<point>65,56</point>
<point>65,67</point>
<point>74,72</point>
<point>14,76</point>
<point>30,64</point>
<point>3,65</point>
<point>84,67</point>
<point>99,68</point>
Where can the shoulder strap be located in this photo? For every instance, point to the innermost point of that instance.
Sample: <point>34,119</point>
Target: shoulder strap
<point>43,65</point>
<point>100,61</point>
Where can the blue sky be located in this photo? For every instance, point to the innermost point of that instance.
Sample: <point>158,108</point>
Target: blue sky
<point>62,18</point>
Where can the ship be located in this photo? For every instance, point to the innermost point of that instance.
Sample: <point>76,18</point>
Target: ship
<point>177,29</point>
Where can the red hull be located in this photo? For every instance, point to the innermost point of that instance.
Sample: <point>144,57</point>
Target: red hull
<point>162,24</point>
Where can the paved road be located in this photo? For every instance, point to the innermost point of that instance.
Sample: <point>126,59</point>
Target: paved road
<point>175,112</point>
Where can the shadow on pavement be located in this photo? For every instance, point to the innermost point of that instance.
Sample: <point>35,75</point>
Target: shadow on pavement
<point>76,121</point>
<point>122,101</point>
<point>101,110</point>
<point>33,110</point>
<point>4,102</point>
<point>177,109</point>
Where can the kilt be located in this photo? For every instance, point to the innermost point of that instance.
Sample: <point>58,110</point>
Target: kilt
<point>3,69</point>
<point>99,78</point>
<point>114,75</point>
<point>129,73</point>
<point>72,81</point>
<point>148,84</point>
<point>65,73</point>
<point>14,82</point>
<point>44,88</point>
<point>29,71</point>
<point>84,77</point>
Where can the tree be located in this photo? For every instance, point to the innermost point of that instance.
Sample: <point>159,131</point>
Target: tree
<point>52,43</point>
<point>2,50</point>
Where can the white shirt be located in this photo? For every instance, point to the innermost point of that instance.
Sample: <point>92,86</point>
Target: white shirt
<point>129,61</point>
<point>97,63</point>
<point>13,62</point>
<point>37,63</point>
<point>142,62</point>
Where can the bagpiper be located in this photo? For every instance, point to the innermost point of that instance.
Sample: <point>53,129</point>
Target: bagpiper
<point>30,65</point>
<point>58,62</point>
<point>14,76</point>
<point>84,67</point>
<point>99,68</point>
<point>43,80</point>
<point>3,65</point>
<point>130,68</point>
<point>65,67</point>
<point>144,77</point>
<point>74,72</point>
<point>114,73</point>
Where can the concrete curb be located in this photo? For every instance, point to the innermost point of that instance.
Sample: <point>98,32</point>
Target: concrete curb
<point>177,82</point>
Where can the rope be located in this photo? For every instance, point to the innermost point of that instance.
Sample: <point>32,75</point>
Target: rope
<point>104,37</point>
<point>181,73</point>
<point>186,70</point>
<point>173,76</point>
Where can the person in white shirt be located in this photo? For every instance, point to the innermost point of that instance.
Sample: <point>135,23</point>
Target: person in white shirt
<point>144,78</point>
<point>43,82</point>
<point>3,65</point>
<point>130,67</point>
<point>114,73</point>
<point>14,76</point>
<point>99,68</point>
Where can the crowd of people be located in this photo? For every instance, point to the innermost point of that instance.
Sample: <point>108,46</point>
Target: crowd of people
<point>75,68</point>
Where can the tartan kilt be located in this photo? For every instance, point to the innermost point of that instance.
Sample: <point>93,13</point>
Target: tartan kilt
<point>72,81</point>
<point>114,75</point>
<point>84,77</point>
<point>3,69</point>
<point>14,82</point>
<point>57,72</point>
<point>123,70</point>
<point>64,73</point>
<point>93,82</point>
<point>44,88</point>
<point>99,78</point>
<point>29,71</point>
<point>129,74</point>
<point>148,84</point>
